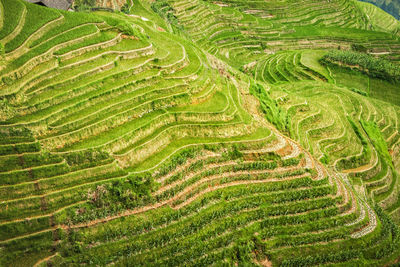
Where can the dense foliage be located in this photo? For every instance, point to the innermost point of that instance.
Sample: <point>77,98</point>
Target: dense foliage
<point>124,26</point>
<point>270,107</point>
<point>125,192</point>
<point>84,5</point>
<point>165,10</point>
<point>374,67</point>
<point>377,139</point>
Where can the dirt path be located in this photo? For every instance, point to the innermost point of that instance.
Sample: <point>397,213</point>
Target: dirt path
<point>45,260</point>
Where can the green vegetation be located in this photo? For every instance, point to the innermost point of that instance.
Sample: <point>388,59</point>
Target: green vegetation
<point>101,38</point>
<point>195,133</point>
<point>123,26</point>
<point>390,6</point>
<point>360,159</point>
<point>72,21</point>
<point>377,140</point>
<point>12,11</point>
<point>38,17</point>
<point>373,67</point>
<point>379,19</point>
<point>270,107</point>
<point>164,9</point>
<point>84,5</point>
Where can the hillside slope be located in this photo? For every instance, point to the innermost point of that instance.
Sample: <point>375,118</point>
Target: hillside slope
<point>380,20</point>
<point>390,6</point>
<point>199,133</point>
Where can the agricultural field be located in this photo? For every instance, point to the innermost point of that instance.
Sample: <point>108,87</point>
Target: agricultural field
<point>195,133</point>
<point>390,6</point>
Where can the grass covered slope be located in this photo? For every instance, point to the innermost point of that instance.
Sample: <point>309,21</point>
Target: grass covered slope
<point>243,32</point>
<point>380,20</point>
<point>196,133</point>
<point>390,6</point>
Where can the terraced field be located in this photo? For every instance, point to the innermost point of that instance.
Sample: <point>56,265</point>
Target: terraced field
<point>113,4</point>
<point>198,133</point>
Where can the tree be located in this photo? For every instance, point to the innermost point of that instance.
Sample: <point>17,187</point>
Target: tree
<point>85,2</point>
<point>83,5</point>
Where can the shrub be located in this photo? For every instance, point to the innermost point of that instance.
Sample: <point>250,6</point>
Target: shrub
<point>110,198</point>
<point>6,110</point>
<point>84,5</point>
<point>325,159</point>
<point>270,107</point>
<point>359,48</point>
<point>86,156</point>
<point>124,27</point>
<point>235,153</point>
<point>130,189</point>
<point>125,8</point>
<point>360,92</point>
<point>164,10</point>
<point>377,140</point>
<point>7,80</point>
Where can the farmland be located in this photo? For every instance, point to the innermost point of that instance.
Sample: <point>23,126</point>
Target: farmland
<point>193,133</point>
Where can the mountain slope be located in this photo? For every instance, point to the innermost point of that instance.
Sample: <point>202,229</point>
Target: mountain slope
<point>380,20</point>
<point>390,6</point>
<point>199,133</point>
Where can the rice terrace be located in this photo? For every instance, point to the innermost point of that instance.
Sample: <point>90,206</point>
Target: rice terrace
<point>199,132</point>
